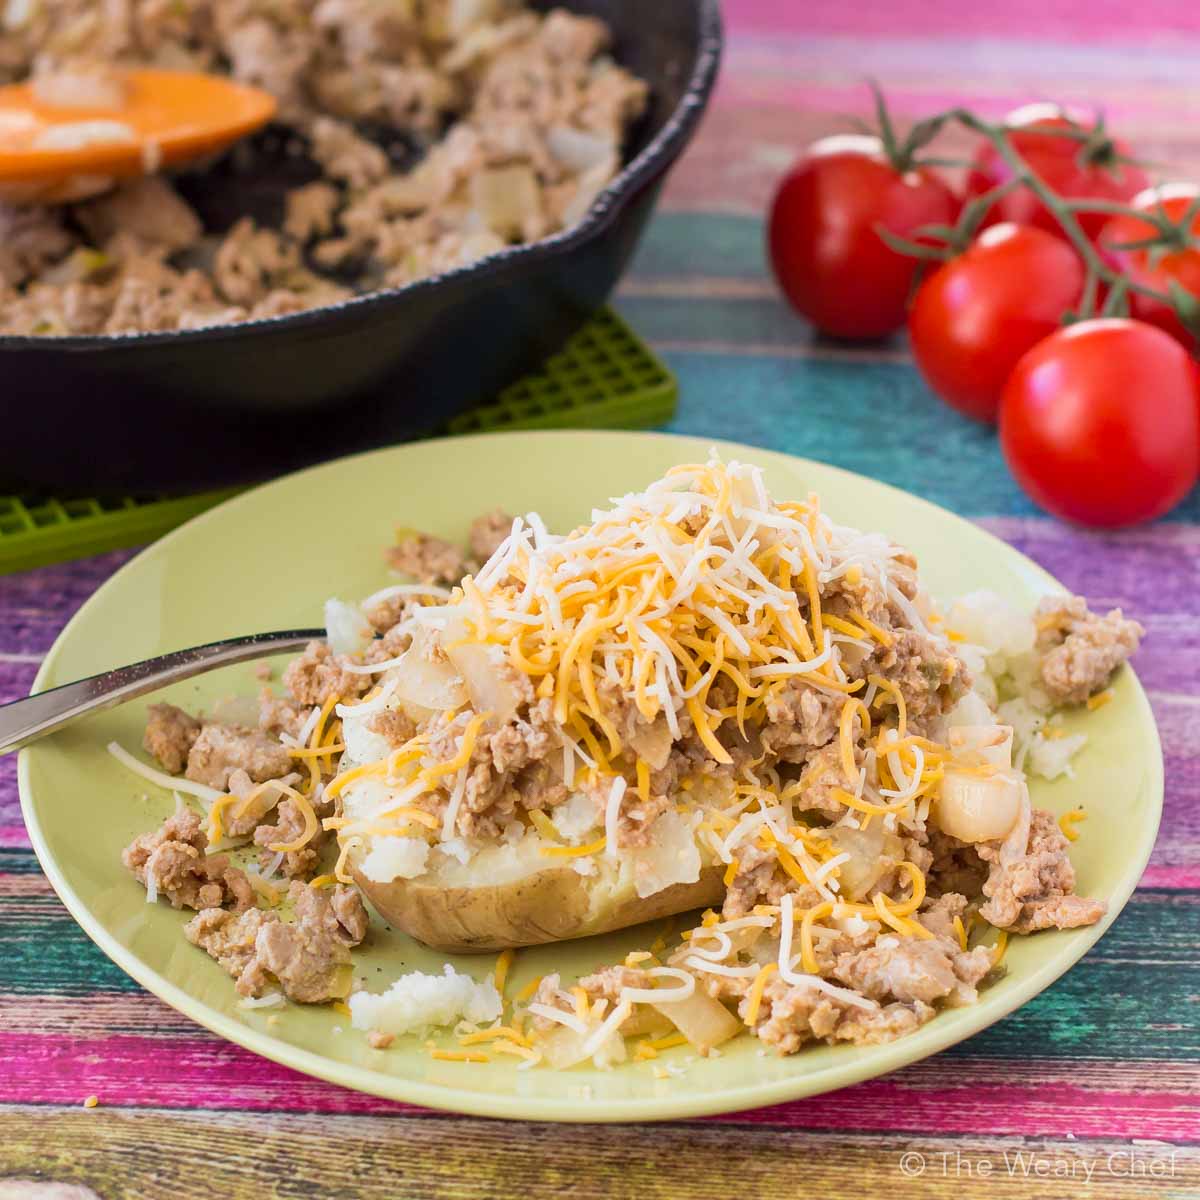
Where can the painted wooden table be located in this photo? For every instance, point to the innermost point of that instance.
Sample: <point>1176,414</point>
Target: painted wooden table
<point>1091,1090</point>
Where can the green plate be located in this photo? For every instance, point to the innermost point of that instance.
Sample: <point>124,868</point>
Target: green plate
<point>269,558</point>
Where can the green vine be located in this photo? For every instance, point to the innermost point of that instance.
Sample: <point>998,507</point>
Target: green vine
<point>1097,148</point>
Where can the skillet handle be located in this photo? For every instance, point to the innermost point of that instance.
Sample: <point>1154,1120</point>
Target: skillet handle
<point>24,721</point>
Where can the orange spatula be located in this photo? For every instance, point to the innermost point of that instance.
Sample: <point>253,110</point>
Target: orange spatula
<point>72,135</point>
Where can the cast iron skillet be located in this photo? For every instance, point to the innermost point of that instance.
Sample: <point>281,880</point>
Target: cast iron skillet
<point>232,404</point>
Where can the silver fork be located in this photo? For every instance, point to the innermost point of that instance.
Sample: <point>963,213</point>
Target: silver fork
<point>24,721</point>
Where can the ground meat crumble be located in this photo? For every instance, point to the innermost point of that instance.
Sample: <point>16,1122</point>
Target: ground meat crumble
<point>308,957</point>
<point>1080,650</point>
<point>520,116</point>
<point>878,984</point>
<point>174,862</point>
<point>1036,890</point>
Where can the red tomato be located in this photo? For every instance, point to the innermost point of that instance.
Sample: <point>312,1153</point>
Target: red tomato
<point>827,255</point>
<point>973,318</point>
<point>1158,268</point>
<point>1100,422</point>
<point>1062,163</point>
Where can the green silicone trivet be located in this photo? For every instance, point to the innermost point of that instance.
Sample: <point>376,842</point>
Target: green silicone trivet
<point>605,377</point>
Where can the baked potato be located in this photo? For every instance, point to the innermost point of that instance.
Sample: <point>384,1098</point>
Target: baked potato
<point>509,896</point>
<point>551,904</point>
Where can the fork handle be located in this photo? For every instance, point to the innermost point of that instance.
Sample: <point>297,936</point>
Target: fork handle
<point>24,721</point>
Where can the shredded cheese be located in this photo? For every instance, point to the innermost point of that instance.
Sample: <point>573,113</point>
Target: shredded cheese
<point>1067,823</point>
<point>496,1031</point>
<point>528,990</point>
<point>612,815</point>
<point>1000,946</point>
<point>573,851</point>
<point>960,929</point>
<point>467,1056</point>
<point>754,1000</point>
<point>311,824</point>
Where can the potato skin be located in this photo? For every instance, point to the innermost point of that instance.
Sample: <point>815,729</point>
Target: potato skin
<point>551,905</point>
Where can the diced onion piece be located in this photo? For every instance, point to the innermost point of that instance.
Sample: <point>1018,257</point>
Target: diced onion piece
<point>705,1022</point>
<point>652,743</point>
<point>505,198</point>
<point>873,851</point>
<point>490,681</point>
<point>18,13</point>
<point>1017,843</point>
<point>427,683</point>
<point>671,856</point>
<point>564,1048</point>
<point>990,743</point>
<point>646,1022</point>
<point>979,809</point>
<point>578,149</point>
<point>591,183</point>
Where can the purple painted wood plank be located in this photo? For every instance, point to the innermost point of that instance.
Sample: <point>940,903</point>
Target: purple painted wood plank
<point>35,605</point>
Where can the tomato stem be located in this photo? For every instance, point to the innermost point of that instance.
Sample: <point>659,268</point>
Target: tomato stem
<point>1096,148</point>
<point>1064,210</point>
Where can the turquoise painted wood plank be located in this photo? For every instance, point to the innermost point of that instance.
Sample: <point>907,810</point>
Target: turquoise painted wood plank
<point>874,418</point>
<point>1111,1005</point>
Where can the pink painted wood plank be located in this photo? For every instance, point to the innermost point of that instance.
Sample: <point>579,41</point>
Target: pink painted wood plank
<point>1028,1098</point>
<point>1070,20</point>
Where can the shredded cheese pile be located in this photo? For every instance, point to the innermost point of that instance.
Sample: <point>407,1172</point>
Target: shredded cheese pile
<point>700,576</point>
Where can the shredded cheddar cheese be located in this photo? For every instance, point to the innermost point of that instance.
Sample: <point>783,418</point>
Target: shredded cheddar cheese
<point>528,990</point>
<point>311,824</point>
<point>467,1056</point>
<point>754,1000</point>
<point>960,929</point>
<point>999,948</point>
<point>316,752</point>
<point>668,1041</point>
<point>490,1035</point>
<point>543,824</point>
<point>702,606</point>
<point>1068,821</point>
<point>503,964</point>
<point>573,851</point>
